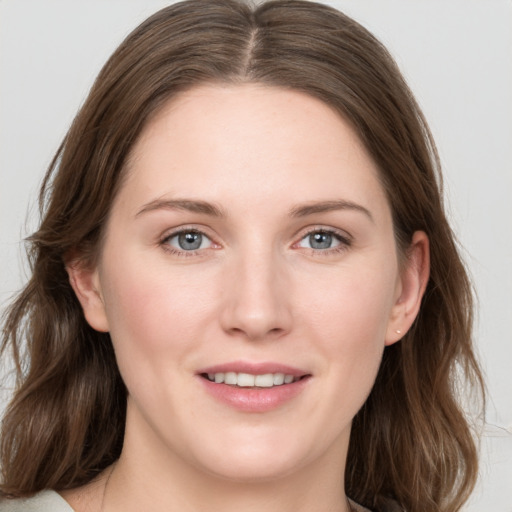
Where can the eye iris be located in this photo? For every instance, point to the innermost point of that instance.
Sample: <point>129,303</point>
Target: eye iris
<point>320,240</point>
<point>190,241</point>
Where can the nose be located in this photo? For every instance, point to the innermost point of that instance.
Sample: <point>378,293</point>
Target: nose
<point>257,301</point>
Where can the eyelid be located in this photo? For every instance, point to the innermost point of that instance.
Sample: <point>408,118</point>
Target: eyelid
<point>169,234</point>
<point>322,228</point>
<point>342,236</point>
<point>345,239</point>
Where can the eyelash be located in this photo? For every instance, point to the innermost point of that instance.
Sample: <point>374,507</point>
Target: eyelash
<point>344,240</point>
<point>164,242</point>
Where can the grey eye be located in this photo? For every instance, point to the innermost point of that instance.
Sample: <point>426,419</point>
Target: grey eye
<point>189,241</point>
<point>320,240</point>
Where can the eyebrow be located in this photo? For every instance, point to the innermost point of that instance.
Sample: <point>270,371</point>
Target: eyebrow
<point>328,206</point>
<point>191,205</point>
<point>206,208</point>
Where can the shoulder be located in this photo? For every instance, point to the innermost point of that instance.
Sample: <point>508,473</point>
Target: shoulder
<point>357,508</point>
<point>44,501</point>
<point>390,506</point>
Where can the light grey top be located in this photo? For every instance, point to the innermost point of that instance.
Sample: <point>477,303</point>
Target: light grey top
<point>357,508</point>
<point>50,501</point>
<point>44,501</point>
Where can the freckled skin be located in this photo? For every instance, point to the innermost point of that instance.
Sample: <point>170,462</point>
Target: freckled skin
<point>255,291</point>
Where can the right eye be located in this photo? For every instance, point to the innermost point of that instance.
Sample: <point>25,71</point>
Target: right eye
<point>188,241</point>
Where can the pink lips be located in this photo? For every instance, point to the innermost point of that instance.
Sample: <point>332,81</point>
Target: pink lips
<point>254,399</point>
<point>254,368</point>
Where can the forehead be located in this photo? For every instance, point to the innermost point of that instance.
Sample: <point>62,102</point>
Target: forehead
<point>251,141</point>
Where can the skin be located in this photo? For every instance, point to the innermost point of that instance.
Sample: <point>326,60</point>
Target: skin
<point>255,291</point>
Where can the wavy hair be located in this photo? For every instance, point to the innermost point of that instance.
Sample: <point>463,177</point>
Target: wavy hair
<point>411,442</point>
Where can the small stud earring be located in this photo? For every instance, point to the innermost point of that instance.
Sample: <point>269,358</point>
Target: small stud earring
<point>398,331</point>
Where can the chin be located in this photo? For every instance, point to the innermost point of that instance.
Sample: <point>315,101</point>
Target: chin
<point>261,470</point>
<point>255,460</point>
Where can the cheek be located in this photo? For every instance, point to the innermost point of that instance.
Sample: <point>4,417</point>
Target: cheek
<point>352,304</point>
<point>151,310</point>
<point>348,319</point>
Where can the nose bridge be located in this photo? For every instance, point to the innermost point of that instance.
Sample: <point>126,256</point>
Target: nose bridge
<point>257,303</point>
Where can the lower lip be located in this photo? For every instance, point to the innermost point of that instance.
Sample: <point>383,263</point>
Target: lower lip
<point>254,399</point>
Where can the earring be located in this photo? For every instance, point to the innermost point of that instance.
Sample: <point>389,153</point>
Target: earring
<point>398,331</point>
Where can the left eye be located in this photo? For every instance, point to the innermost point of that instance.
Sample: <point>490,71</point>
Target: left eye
<point>320,240</point>
<point>189,241</point>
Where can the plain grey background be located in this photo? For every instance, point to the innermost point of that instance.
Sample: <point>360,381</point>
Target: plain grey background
<point>457,57</point>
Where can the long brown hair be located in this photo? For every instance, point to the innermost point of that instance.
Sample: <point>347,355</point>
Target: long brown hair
<point>411,441</point>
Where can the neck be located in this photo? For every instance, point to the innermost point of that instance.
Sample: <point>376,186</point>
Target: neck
<point>145,474</point>
<point>150,471</point>
<point>130,490</point>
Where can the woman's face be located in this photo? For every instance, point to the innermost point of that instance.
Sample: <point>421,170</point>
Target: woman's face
<point>250,244</point>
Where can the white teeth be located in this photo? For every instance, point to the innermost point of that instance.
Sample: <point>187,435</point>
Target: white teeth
<point>278,379</point>
<point>246,380</point>
<point>264,381</point>
<point>231,378</point>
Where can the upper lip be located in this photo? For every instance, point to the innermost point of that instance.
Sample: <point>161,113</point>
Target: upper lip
<point>254,368</point>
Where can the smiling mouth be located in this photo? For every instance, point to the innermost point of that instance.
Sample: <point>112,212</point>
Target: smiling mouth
<point>247,380</point>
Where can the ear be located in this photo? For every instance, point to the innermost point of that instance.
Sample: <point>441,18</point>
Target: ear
<point>86,285</point>
<point>411,288</point>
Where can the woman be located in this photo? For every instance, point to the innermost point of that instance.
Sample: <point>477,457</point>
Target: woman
<point>245,292</point>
